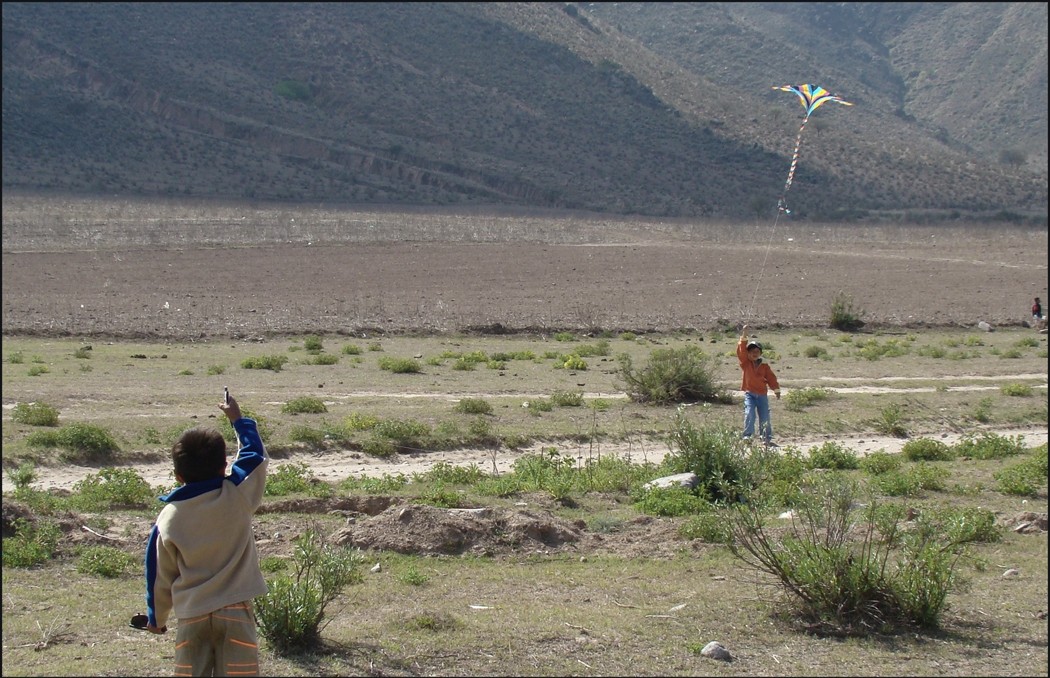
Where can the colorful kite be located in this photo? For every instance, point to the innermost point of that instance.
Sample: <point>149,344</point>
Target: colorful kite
<point>812,97</point>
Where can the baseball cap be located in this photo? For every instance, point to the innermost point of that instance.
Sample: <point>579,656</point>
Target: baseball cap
<point>754,344</point>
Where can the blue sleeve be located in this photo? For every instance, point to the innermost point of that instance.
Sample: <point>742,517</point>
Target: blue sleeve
<point>251,453</point>
<point>151,575</point>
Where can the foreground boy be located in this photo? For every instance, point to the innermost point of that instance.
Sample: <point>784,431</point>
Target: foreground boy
<point>201,561</point>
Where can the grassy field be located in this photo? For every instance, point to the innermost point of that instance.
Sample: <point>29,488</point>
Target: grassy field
<point>145,394</point>
<point>637,594</point>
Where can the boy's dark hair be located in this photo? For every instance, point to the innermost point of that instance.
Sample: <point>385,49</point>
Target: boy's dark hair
<point>199,454</point>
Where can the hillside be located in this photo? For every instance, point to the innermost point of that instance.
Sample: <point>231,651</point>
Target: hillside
<point>629,108</point>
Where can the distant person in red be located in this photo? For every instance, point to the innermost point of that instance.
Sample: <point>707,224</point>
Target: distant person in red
<point>758,379</point>
<point>1037,313</point>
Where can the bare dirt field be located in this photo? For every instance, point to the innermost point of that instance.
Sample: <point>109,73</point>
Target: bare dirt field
<point>171,271</point>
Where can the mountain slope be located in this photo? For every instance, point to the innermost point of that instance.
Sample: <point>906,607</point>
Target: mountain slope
<point>529,104</point>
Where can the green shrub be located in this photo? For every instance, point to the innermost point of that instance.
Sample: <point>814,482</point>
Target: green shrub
<point>386,484</point>
<point>216,369</point>
<point>877,463</point>
<point>22,476</point>
<point>891,421</point>
<point>324,359</point>
<point>927,449</point>
<point>295,478</point>
<point>291,612</point>
<point>351,349</point>
<point>852,581</point>
<point>844,315</point>
<point>273,564</point>
<point>832,455</point>
<point>37,370</point>
<point>445,473</point>
<point>112,489</point>
<point>401,430</point>
<point>1017,389</point>
<point>441,496</point>
<point>709,526</point>
<point>266,362</point>
<point>565,336</point>
<point>306,434</point>
<point>360,422</point>
<point>35,414</point>
<point>982,411</point>
<point>932,351</point>
<point>798,399</point>
<point>567,398</point>
<point>988,445</point>
<point>1024,479</point>
<point>671,502</point>
<point>413,577</point>
<point>538,405</point>
<point>304,405</point>
<point>715,455</point>
<point>80,442</point>
<point>33,543</point>
<point>672,375</point>
<point>601,348</point>
<point>400,365</point>
<point>464,365</point>
<point>571,362</point>
<point>313,344</point>
<point>873,350</point>
<point>968,524</point>
<point>474,406</point>
<point>816,352</point>
<point>378,446</point>
<point>105,561</point>
<point>912,481</point>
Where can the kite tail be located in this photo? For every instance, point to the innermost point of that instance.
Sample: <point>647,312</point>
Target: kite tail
<point>782,203</point>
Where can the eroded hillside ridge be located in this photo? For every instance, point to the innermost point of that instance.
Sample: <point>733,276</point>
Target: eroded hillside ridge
<point>619,108</point>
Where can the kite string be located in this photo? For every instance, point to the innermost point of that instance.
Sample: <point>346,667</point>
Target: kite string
<point>762,269</point>
<point>781,208</point>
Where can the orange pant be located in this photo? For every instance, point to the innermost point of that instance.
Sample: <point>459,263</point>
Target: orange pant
<point>220,643</point>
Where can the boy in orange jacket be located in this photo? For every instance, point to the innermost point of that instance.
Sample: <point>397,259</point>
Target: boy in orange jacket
<point>758,379</point>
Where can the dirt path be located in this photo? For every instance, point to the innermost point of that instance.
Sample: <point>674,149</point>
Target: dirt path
<point>337,465</point>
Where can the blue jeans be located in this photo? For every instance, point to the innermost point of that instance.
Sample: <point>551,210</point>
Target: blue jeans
<point>757,405</point>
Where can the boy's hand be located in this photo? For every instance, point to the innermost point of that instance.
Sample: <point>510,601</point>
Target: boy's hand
<point>153,629</point>
<point>744,330</point>
<point>777,392</point>
<point>231,409</point>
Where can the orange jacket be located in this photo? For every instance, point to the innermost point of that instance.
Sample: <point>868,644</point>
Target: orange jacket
<point>756,377</point>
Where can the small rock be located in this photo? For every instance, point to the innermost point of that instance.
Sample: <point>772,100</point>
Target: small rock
<point>686,480</point>
<point>1012,572</point>
<point>377,568</point>
<point>715,650</point>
